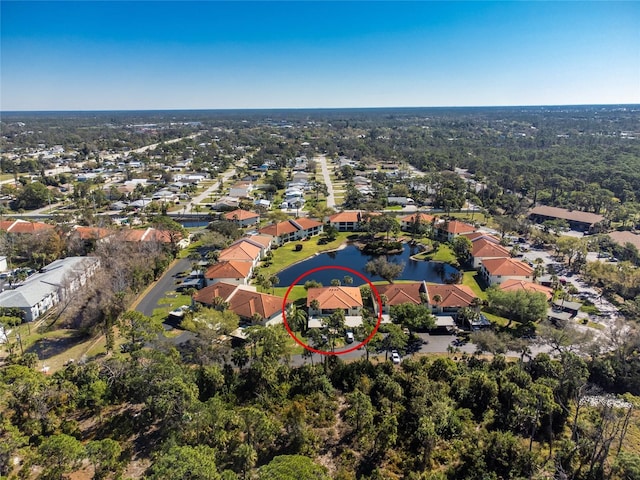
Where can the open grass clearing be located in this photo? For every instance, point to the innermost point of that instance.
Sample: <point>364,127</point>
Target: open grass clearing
<point>470,279</point>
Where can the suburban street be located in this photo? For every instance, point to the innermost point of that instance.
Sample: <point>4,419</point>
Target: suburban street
<point>149,302</point>
<point>331,199</point>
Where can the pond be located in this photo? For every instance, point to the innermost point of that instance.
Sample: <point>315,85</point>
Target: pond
<point>352,257</point>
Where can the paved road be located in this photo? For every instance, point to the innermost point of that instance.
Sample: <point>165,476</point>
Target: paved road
<point>166,283</point>
<point>214,188</point>
<point>331,199</point>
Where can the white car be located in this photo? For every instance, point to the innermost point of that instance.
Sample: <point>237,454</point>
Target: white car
<point>395,357</point>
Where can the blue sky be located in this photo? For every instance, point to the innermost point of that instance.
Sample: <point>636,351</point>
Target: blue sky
<point>180,55</point>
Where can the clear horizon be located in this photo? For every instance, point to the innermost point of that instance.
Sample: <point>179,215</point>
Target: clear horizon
<point>131,56</point>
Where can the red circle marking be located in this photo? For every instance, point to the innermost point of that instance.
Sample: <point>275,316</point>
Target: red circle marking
<point>323,352</point>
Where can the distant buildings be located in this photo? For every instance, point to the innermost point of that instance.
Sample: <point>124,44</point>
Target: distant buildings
<point>577,220</point>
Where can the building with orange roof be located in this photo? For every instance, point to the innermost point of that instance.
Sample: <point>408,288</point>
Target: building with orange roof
<point>242,218</point>
<point>449,229</point>
<point>92,233</point>
<point>399,293</point>
<point>152,235</point>
<point>483,249</point>
<point>241,252</point>
<point>498,270</point>
<point>347,221</point>
<point>22,227</point>
<point>233,271</point>
<point>513,285</point>
<point>263,242</point>
<point>243,300</point>
<point>449,297</point>
<point>330,299</point>
<point>291,230</point>
<point>424,220</point>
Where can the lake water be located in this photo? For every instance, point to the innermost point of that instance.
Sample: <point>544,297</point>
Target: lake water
<point>352,257</point>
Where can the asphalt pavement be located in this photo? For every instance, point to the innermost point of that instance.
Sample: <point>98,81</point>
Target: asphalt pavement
<point>165,284</point>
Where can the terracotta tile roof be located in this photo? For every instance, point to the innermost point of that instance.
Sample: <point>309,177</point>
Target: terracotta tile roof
<point>452,296</point>
<point>240,214</point>
<point>424,218</point>
<point>246,303</point>
<point>306,223</point>
<point>625,237</point>
<point>399,293</point>
<point>263,240</point>
<point>347,216</point>
<point>243,251</point>
<point>335,297</point>
<point>231,269</point>
<point>455,227</point>
<point>513,284</point>
<point>24,227</point>
<point>474,236</point>
<point>150,235</point>
<point>507,267</point>
<point>93,233</point>
<point>563,213</point>
<point>218,289</point>
<point>483,248</point>
<point>278,229</point>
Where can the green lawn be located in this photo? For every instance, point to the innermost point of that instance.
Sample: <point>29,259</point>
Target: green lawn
<point>443,254</point>
<point>297,292</point>
<point>170,302</point>
<point>498,320</point>
<point>286,255</point>
<point>470,279</point>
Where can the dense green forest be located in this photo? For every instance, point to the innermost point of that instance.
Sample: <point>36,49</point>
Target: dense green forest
<point>162,412</point>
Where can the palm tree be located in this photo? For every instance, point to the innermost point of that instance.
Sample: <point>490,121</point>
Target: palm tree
<point>436,300</point>
<point>297,319</point>
<point>315,305</point>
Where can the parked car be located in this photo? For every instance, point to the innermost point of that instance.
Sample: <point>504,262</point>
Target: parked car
<point>349,338</point>
<point>395,357</point>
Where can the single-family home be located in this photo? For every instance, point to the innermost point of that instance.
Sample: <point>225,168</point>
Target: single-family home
<point>498,270</point>
<point>232,271</point>
<point>242,218</point>
<point>241,190</point>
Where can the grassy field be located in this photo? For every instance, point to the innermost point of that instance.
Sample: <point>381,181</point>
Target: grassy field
<point>286,255</point>
<point>171,301</point>
<point>443,254</point>
<point>500,321</point>
<point>470,279</point>
<point>297,292</point>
